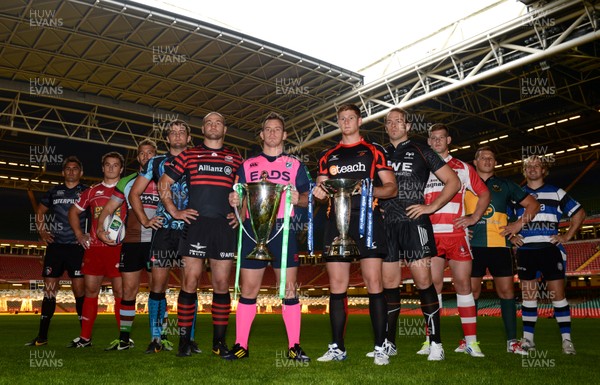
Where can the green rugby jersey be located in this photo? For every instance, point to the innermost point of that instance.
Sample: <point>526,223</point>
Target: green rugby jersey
<point>486,232</point>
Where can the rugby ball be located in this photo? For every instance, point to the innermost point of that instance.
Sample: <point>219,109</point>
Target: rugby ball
<point>115,227</point>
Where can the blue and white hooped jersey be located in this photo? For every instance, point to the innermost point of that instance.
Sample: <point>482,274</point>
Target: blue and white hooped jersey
<point>554,204</point>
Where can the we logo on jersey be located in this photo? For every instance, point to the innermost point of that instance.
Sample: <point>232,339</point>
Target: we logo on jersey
<point>358,167</point>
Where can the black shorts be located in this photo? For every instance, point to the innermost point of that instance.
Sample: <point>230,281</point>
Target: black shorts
<point>164,251</point>
<point>60,257</point>
<point>547,260</point>
<point>210,238</point>
<point>410,240</point>
<point>134,256</point>
<point>380,246</point>
<point>274,247</point>
<point>498,260</point>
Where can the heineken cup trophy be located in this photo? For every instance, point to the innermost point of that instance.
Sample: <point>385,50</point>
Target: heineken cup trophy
<point>263,199</point>
<point>341,191</point>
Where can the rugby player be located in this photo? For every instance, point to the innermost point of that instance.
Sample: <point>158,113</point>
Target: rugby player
<point>63,251</point>
<point>208,233</point>
<point>489,244</point>
<point>356,158</point>
<point>99,260</point>
<point>540,250</point>
<point>451,240</point>
<point>135,250</point>
<point>408,228</point>
<point>284,169</point>
<point>165,240</point>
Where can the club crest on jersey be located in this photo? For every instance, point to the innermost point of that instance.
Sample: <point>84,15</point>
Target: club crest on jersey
<point>358,167</point>
<point>227,170</point>
<point>99,192</point>
<point>60,193</point>
<point>361,153</point>
<point>496,188</point>
<point>409,155</point>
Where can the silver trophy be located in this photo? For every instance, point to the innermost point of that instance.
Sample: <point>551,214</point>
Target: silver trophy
<point>263,200</point>
<point>341,191</point>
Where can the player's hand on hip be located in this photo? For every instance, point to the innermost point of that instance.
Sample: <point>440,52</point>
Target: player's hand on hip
<point>187,215</point>
<point>155,223</point>
<point>84,240</point>
<point>464,222</point>
<point>46,236</point>
<point>234,199</point>
<point>415,211</point>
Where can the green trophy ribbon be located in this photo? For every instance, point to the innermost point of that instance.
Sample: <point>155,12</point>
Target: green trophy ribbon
<point>284,241</point>
<point>240,191</point>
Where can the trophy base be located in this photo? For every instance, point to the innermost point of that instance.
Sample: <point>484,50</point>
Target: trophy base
<point>260,253</point>
<point>343,248</point>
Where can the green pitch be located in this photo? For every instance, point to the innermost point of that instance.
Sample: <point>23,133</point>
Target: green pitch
<point>55,364</point>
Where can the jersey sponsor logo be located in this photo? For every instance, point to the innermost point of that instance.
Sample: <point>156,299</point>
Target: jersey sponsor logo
<point>489,212</point>
<point>150,199</point>
<point>359,167</point>
<point>227,170</point>
<point>197,250</point>
<point>64,201</point>
<point>273,174</point>
<point>401,166</point>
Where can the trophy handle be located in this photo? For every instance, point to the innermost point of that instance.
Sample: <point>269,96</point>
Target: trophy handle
<point>239,189</point>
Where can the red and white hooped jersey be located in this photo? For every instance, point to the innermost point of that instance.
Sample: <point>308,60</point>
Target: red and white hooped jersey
<point>443,219</point>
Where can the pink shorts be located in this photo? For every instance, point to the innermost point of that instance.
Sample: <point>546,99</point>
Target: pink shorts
<point>102,261</point>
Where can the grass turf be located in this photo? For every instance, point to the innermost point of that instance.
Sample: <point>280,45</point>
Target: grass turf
<point>55,364</point>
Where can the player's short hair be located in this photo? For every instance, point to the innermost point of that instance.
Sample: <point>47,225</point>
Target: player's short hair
<point>348,107</point>
<point>397,109</point>
<point>177,122</point>
<point>114,154</point>
<point>72,159</point>
<point>274,116</point>
<point>438,127</point>
<point>484,148</point>
<point>148,142</point>
<point>213,113</point>
<point>543,162</point>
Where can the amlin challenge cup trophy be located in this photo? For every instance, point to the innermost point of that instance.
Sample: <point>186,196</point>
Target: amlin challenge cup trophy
<point>341,191</point>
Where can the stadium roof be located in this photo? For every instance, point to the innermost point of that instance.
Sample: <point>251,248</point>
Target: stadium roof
<point>113,72</point>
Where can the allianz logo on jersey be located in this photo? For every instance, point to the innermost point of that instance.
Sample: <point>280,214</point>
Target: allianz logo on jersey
<point>358,167</point>
<point>227,170</point>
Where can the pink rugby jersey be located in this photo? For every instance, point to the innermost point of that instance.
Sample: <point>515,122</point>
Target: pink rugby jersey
<point>443,219</point>
<point>282,169</point>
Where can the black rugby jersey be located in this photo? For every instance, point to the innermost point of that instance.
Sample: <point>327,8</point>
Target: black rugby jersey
<point>210,174</point>
<point>412,163</point>
<point>359,160</point>
<point>59,200</point>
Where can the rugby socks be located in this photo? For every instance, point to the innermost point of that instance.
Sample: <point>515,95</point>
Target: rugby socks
<point>193,332</point>
<point>221,307</point>
<point>48,307</point>
<point>468,316</point>
<point>154,302</point>
<point>79,307</point>
<point>338,314</point>
<point>244,316</point>
<point>562,313</point>
<point>392,298</point>
<point>186,307</point>
<point>88,317</point>
<point>162,309</point>
<point>509,317</point>
<point>291,318</point>
<point>431,311</point>
<point>378,313</point>
<point>118,311</point>
<point>127,314</point>
<point>529,314</point>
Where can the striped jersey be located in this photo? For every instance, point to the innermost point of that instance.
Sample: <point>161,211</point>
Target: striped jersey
<point>94,199</point>
<point>210,174</point>
<point>554,203</point>
<point>504,195</point>
<point>136,232</point>
<point>360,160</point>
<point>443,219</point>
<point>152,171</point>
<point>59,199</point>
<point>282,169</point>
